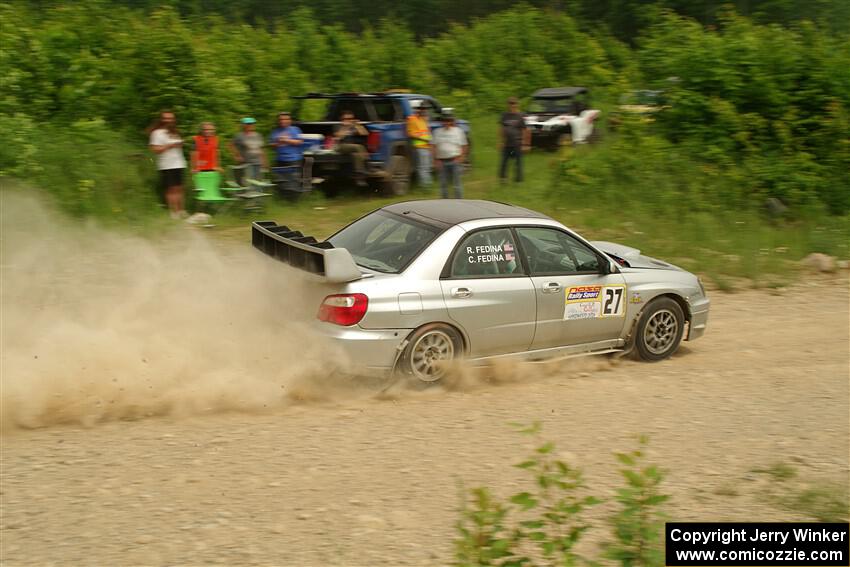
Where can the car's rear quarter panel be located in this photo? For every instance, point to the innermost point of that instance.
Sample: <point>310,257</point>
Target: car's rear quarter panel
<point>392,298</point>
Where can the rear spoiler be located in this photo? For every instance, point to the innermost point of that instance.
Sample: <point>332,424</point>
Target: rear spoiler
<point>332,265</point>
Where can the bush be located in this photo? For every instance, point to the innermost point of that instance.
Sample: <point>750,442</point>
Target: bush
<point>89,169</point>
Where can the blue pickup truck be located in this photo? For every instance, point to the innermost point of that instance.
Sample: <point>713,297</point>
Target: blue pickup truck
<point>391,157</point>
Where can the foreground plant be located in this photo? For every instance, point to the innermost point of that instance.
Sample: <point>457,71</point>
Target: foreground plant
<point>543,525</point>
<point>639,523</point>
<point>545,521</point>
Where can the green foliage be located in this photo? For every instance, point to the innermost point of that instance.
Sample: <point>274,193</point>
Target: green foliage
<point>756,111</point>
<point>484,538</point>
<point>89,169</point>
<point>624,18</point>
<point>542,525</point>
<point>638,524</point>
<point>771,100</point>
<point>706,216</point>
<point>546,517</point>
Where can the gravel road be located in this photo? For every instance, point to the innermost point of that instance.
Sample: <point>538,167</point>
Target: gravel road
<point>350,479</point>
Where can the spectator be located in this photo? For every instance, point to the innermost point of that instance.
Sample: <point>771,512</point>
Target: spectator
<point>515,139</point>
<point>166,143</point>
<point>450,148</point>
<point>247,150</point>
<point>204,155</point>
<point>419,133</point>
<point>347,137</point>
<point>288,141</point>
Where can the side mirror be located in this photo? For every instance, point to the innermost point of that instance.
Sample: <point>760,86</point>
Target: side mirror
<point>609,266</point>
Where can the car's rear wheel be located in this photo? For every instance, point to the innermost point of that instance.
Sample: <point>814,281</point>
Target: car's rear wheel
<point>659,330</point>
<point>429,352</point>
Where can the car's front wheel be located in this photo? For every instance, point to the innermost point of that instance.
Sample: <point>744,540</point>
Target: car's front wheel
<point>659,330</point>
<point>430,350</point>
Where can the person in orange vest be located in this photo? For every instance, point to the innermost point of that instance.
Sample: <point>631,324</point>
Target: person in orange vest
<point>419,132</point>
<point>205,149</point>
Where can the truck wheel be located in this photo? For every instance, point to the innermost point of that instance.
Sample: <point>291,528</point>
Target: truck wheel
<point>398,176</point>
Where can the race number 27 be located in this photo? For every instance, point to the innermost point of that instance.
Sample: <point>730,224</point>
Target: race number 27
<point>612,301</point>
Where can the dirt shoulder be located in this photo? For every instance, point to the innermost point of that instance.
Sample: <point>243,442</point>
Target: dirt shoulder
<point>358,481</point>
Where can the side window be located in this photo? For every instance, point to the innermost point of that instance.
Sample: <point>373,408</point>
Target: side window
<point>486,253</point>
<point>385,110</point>
<point>552,252</point>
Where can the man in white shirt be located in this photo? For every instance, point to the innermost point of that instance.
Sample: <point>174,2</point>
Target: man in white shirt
<point>450,147</point>
<point>166,143</point>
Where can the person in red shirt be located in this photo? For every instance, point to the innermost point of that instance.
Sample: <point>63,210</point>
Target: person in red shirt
<point>205,149</point>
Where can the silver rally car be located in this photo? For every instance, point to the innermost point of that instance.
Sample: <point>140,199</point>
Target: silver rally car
<point>413,285</point>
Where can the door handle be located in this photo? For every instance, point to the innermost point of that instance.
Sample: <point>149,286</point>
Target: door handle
<point>551,287</point>
<point>461,292</point>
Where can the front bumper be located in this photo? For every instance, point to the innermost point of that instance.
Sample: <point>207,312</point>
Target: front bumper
<point>699,319</point>
<point>370,350</point>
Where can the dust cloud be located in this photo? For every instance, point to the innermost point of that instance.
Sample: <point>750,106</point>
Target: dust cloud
<point>99,325</point>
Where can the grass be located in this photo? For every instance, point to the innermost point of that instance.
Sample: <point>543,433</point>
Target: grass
<point>778,471</point>
<point>824,502</point>
<point>828,503</point>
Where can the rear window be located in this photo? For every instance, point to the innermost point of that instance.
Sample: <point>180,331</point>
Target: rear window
<point>384,242</point>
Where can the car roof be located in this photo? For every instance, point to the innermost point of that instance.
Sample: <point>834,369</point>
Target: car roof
<point>559,92</point>
<point>449,212</point>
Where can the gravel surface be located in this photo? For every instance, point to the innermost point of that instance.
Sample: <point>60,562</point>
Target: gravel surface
<point>358,480</point>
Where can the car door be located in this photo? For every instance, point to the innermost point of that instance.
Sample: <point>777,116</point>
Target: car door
<point>488,293</point>
<point>576,302</point>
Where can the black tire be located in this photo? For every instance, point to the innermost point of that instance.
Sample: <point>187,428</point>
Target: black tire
<point>428,352</point>
<point>398,181</point>
<point>656,338</point>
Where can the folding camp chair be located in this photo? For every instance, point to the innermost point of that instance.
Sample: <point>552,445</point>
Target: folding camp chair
<point>252,192</point>
<point>208,191</point>
<point>294,180</point>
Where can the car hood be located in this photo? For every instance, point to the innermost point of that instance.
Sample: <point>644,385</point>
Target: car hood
<point>633,257</point>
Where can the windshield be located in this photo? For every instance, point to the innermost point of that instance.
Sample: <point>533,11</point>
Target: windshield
<point>550,105</point>
<point>384,242</point>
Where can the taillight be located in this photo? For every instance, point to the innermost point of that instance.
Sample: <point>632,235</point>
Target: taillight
<point>345,309</point>
<point>373,142</point>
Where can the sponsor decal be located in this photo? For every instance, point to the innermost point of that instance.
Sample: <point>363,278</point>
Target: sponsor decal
<point>584,293</point>
<point>636,298</point>
<point>594,301</point>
